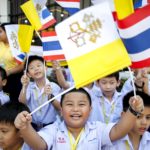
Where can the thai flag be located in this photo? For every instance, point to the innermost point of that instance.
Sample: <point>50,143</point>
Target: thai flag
<point>135,33</point>
<point>46,18</point>
<point>71,6</point>
<point>51,47</point>
<point>141,3</point>
<point>20,58</point>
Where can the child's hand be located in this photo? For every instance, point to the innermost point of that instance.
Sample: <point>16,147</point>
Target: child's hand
<point>22,120</point>
<point>136,103</point>
<point>25,80</point>
<point>47,89</point>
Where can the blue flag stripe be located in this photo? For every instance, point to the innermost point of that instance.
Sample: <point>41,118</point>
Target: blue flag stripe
<point>45,13</point>
<point>138,4</point>
<point>72,10</point>
<point>55,45</point>
<point>138,43</point>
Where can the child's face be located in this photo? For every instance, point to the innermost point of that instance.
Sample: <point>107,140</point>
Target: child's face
<point>75,109</point>
<point>9,136</point>
<point>142,122</point>
<point>2,82</point>
<point>36,69</point>
<point>108,85</point>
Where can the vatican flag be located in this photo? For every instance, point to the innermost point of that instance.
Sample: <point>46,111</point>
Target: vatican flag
<point>91,44</point>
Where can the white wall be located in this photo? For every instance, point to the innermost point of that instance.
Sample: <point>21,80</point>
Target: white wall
<point>4,11</point>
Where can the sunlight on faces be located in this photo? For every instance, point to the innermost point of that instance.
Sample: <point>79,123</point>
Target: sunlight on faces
<point>9,136</point>
<point>75,109</point>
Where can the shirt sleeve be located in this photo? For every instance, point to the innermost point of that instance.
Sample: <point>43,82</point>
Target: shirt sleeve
<point>47,134</point>
<point>106,134</point>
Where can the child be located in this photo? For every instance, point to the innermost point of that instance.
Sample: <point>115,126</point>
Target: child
<point>107,105</point>
<point>10,138</point>
<point>3,80</point>
<point>75,132</point>
<point>39,91</point>
<point>138,138</point>
<point>141,81</point>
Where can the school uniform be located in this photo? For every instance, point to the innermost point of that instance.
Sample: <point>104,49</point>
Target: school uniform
<point>4,98</point>
<point>36,97</point>
<point>105,111</point>
<point>94,136</point>
<point>125,143</point>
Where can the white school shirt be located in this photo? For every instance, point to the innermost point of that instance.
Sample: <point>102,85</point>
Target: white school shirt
<point>3,98</point>
<point>121,144</point>
<point>94,136</point>
<point>35,98</point>
<point>105,111</point>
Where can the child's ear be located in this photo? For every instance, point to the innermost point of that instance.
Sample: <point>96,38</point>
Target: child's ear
<point>4,82</point>
<point>118,83</point>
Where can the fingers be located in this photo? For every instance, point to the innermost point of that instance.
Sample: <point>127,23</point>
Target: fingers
<point>48,89</point>
<point>22,120</point>
<point>136,103</point>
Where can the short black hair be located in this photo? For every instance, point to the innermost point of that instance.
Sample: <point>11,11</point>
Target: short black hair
<point>81,90</point>
<point>3,73</point>
<point>32,58</point>
<point>115,74</point>
<point>4,24</point>
<point>144,96</point>
<point>10,110</point>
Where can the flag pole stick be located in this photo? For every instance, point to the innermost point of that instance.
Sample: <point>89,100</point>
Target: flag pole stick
<point>131,76</point>
<point>26,70</point>
<point>50,100</point>
<point>38,35</point>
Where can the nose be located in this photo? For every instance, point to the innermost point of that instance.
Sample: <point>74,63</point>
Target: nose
<point>144,120</point>
<point>75,108</point>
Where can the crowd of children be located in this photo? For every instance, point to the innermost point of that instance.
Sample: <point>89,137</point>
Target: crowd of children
<point>96,116</point>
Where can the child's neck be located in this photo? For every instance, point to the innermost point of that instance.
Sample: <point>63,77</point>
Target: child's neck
<point>109,97</point>
<point>17,146</point>
<point>74,132</point>
<point>40,83</point>
<point>135,140</point>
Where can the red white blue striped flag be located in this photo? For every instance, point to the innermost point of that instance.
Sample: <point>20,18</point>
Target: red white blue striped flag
<point>71,6</point>
<point>38,14</point>
<point>51,47</point>
<point>46,18</point>
<point>135,33</point>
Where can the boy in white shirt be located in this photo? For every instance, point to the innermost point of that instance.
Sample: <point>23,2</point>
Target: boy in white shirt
<point>138,138</point>
<point>38,92</point>
<point>107,104</point>
<point>75,132</point>
<point>3,80</point>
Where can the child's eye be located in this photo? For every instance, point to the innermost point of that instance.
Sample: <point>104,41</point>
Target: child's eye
<point>81,104</point>
<point>148,118</point>
<point>4,131</point>
<point>139,116</point>
<point>69,104</point>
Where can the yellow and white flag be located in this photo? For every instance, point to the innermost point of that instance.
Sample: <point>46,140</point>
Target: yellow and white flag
<point>19,37</point>
<point>91,44</point>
